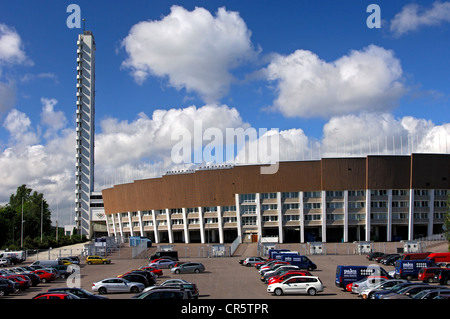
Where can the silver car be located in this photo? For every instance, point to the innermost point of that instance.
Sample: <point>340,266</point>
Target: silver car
<point>188,267</point>
<point>109,285</point>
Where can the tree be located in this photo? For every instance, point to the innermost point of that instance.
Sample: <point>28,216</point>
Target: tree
<point>36,213</point>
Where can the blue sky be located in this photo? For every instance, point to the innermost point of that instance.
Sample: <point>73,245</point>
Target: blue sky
<point>314,70</point>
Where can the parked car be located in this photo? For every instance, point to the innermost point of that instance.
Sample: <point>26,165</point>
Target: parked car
<point>24,282</point>
<point>362,284</point>
<point>172,293</point>
<point>90,260</point>
<point>79,292</point>
<point>408,291</point>
<point>188,268</point>
<point>384,285</point>
<point>395,289</point>
<point>136,278</point>
<point>297,285</point>
<point>374,254</point>
<point>110,285</point>
<point>4,262</point>
<point>45,275</point>
<point>6,287</point>
<point>387,258</point>
<point>163,263</point>
<point>250,261</point>
<point>286,275</point>
<point>426,274</point>
<point>35,279</point>
<point>431,293</point>
<point>55,295</point>
<point>179,285</point>
<point>278,271</point>
<point>155,271</point>
<point>442,276</point>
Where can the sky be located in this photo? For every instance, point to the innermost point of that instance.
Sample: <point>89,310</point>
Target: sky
<point>321,78</point>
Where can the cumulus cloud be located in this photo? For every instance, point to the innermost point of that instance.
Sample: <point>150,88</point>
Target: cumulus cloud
<point>123,142</point>
<point>375,133</point>
<point>195,50</point>
<point>413,17</point>
<point>365,80</point>
<point>53,120</point>
<point>11,47</point>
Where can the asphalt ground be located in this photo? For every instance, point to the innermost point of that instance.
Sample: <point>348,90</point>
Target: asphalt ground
<point>224,278</point>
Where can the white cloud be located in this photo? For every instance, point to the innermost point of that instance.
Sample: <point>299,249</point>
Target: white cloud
<point>366,80</point>
<point>122,143</point>
<point>413,17</point>
<point>374,133</point>
<point>11,50</point>
<point>53,120</point>
<point>19,126</point>
<point>194,49</point>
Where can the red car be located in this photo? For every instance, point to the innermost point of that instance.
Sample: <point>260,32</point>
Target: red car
<point>55,295</point>
<point>23,283</point>
<point>45,275</point>
<point>158,272</point>
<point>281,278</point>
<point>426,274</point>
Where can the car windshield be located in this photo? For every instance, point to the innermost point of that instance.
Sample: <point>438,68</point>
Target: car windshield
<point>420,294</point>
<point>398,287</point>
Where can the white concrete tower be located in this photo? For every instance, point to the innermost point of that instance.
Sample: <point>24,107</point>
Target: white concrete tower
<point>84,173</point>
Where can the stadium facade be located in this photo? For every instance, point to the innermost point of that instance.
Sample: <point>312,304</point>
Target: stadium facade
<point>372,198</point>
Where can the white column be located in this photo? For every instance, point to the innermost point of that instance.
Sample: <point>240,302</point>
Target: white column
<point>155,227</point>
<point>169,226</point>
<point>324,216</point>
<point>258,214</point>
<point>431,213</point>
<point>280,219</point>
<point>389,224</point>
<point>220,223</point>
<point>131,224</point>
<point>345,216</point>
<point>202,226</point>
<point>368,200</point>
<point>141,225</point>
<point>114,224</point>
<point>302,217</point>
<point>185,226</point>
<point>120,225</point>
<point>238,216</point>
<point>411,215</point>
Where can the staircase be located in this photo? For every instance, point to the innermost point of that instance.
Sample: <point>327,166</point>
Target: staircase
<point>246,250</point>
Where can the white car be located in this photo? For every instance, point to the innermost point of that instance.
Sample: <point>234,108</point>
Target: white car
<point>297,285</point>
<point>4,262</point>
<point>369,291</point>
<point>365,283</point>
<point>117,285</point>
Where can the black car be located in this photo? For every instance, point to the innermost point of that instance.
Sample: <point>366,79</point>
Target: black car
<point>79,292</point>
<point>6,287</point>
<point>136,278</point>
<point>442,277</point>
<point>147,274</point>
<point>35,279</point>
<point>374,254</point>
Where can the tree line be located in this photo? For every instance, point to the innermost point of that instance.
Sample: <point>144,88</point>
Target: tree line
<point>37,233</point>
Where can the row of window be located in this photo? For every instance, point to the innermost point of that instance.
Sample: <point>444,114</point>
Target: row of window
<point>252,220</point>
<point>250,198</point>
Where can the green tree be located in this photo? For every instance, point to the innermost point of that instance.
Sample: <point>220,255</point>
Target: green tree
<point>36,213</point>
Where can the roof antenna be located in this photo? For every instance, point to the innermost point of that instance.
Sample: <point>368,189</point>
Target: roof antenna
<point>84,25</point>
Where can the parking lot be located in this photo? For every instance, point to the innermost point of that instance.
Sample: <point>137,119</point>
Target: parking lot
<point>224,278</point>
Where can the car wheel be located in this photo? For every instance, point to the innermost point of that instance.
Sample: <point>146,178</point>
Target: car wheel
<point>102,290</point>
<point>312,292</point>
<point>278,292</point>
<point>448,282</point>
<point>430,280</point>
<point>44,280</point>
<point>177,271</point>
<point>2,293</point>
<point>197,270</point>
<point>104,263</point>
<point>89,262</point>
<point>134,289</point>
